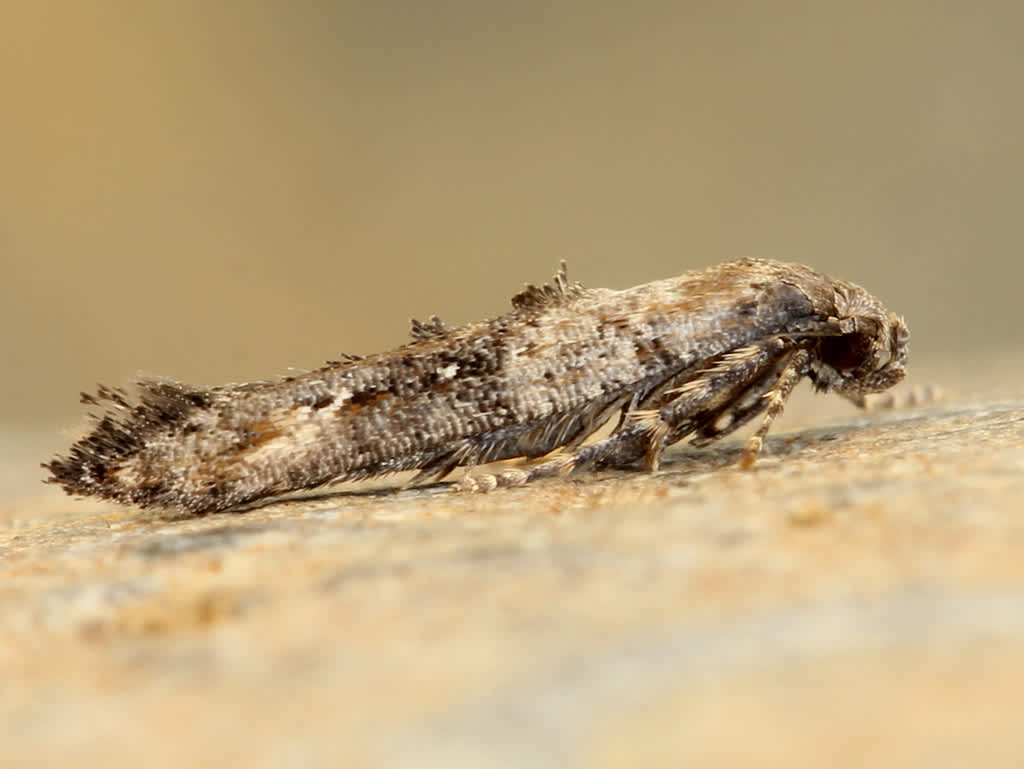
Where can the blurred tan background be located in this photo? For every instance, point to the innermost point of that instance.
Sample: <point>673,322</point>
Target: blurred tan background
<point>217,191</point>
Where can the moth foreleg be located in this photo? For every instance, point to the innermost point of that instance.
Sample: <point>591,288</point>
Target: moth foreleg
<point>644,433</point>
<point>682,409</point>
<point>776,400</point>
<point>745,406</point>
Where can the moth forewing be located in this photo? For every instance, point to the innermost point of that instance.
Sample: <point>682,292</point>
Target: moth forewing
<point>694,356</point>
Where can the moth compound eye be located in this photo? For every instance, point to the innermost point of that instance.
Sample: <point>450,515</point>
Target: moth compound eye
<point>847,352</point>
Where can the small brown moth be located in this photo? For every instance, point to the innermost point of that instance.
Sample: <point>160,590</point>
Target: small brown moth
<point>698,355</point>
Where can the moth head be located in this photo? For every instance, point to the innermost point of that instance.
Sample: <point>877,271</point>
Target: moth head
<point>867,350</point>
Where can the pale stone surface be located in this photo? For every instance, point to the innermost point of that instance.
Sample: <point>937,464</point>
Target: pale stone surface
<point>855,600</point>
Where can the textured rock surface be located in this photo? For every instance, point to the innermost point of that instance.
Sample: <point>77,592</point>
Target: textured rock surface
<point>857,599</point>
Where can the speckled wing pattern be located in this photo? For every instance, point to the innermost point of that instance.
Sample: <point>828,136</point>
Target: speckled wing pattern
<point>696,355</point>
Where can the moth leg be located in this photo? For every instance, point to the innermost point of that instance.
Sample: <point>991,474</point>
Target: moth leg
<point>732,388</point>
<point>746,405</point>
<point>519,477</point>
<point>776,400</point>
<point>644,433</point>
<point>699,401</point>
<point>621,449</point>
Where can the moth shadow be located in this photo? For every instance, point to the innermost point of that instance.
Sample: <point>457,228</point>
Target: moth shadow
<point>395,492</point>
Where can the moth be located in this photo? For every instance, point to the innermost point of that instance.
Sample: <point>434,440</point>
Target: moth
<point>696,356</point>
